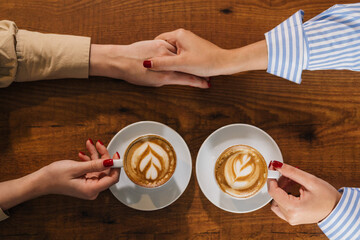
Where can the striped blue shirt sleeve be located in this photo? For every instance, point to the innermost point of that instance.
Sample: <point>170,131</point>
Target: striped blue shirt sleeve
<point>344,221</point>
<point>286,48</point>
<point>331,40</point>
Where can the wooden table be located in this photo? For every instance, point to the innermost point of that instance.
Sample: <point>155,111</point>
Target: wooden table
<point>316,124</point>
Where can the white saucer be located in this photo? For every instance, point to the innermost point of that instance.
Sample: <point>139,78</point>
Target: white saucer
<point>151,199</point>
<point>211,149</point>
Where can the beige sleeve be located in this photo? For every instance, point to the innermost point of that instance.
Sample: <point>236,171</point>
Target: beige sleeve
<point>3,216</point>
<point>8,62</point>
<point>31,56</point>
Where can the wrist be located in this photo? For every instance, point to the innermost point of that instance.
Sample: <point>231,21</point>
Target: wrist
<point>35,184</point>
<point>106,60</point>
<point>250,57</point>
<point>333,205</point>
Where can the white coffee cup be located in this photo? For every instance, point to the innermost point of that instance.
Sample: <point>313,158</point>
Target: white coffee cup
<point>153,164</point>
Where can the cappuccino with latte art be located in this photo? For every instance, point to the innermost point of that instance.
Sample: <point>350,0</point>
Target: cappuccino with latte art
<point>150,161</point>
<point>241,171</point>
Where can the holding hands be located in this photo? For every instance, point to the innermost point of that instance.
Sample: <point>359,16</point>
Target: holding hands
<point>195,55</point>
<point>174,58</point>
<point>316,201</point>
<point>125,62</point>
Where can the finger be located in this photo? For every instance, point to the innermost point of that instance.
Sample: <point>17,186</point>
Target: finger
<point>164,63</point>
<point>170,37</point>
<point>108,171</point>
<point>109,180</point>
<point>285,183</point>
<point>278,194</point>
<point>116,155</point>
<point>83,156</point>
<point>170,47</point>
<point>92,150</point>
<point>303,178</point>
<point>176,78</point>
<point>106,182</point>
<point>276,209</point>
<point>115,172</point>
<point>98,165</point>
<point>102,150</point>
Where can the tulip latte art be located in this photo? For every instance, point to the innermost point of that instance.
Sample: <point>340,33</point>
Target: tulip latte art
<point>150,161</point>
<point>241,171</point>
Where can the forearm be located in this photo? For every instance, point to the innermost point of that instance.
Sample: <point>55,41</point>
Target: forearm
<point>250,57</point>
<point>19,190</point>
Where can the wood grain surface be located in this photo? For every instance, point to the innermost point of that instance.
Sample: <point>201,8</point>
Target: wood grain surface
<point>315,124</point>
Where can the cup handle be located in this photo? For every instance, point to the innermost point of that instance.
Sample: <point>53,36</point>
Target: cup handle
<point>119,163</point>
<point>273,174</point>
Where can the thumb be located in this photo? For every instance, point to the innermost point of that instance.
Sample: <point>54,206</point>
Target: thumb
<point>93,166</point>
<point>164,63</point>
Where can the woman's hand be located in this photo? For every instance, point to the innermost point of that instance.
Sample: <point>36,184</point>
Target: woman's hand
<point>126,62</point>
<point>83,179</point>
<point>316,201</point>
<point>200,57</point>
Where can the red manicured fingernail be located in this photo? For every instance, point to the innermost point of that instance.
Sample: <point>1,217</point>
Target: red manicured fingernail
<point>108,163</point>
<point>82,153</point>
<point>277,164</point>
<point>147,64</point>
<point>297,167</point>
<point>100,142</point>
<point>118,154</point>
<point>91,141</point>
<point>271,162</point>
<point>209,84</point>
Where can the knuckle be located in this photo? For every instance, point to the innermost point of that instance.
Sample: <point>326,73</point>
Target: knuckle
<point>291,171</point>
<point>312,181</point>
<point>181,31</point>
<point>93,166</point>
<point>159,44</point>
<point>163,51</point>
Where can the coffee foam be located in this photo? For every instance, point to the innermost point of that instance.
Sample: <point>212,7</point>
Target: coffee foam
<point>150,161</point>
<point>241,171</point>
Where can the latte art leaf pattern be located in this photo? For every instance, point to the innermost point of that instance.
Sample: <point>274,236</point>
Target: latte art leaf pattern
<point>240,167</point>
<point>151,160</point>
<point>240,171</point>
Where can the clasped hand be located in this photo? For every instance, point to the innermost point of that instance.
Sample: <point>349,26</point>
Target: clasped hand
<point>126,62</point>
<point>84,179</point>
<point>316,201</point>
